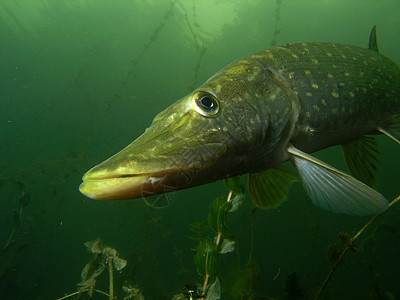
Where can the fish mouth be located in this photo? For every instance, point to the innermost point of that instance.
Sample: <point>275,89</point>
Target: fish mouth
<point>127,186</point>
<point>129,176</point>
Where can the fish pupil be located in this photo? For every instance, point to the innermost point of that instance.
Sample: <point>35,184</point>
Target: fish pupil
<point>207,102</point>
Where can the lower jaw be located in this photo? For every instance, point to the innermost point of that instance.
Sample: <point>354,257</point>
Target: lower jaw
<point>146,184</point>
<point>116,188</point>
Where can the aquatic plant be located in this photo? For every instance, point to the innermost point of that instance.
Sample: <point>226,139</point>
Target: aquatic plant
<point>102,257</point>
<point>218,242</point>
<point>198,44</point>
<point>152,38</point>
<point>293,289</point>
<point>23,201</point>
<point>277,30</point>
<point>209,249</point>
<point>349,245</point>
<point>132,292</point>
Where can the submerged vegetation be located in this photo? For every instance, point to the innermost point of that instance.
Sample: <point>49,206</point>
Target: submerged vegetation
<point>103,258</point>
<point>349,245</point>
<point>81,78</point>
<point>214,240</point>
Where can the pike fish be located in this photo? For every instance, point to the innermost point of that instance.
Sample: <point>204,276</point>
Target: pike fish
<point>277,105</point>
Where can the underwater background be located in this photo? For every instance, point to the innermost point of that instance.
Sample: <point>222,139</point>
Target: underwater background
<point>81,79</point>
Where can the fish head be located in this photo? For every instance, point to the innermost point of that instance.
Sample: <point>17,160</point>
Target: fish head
<point>213,133</point>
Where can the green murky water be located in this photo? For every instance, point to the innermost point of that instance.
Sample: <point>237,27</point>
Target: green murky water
<point>79,80</point>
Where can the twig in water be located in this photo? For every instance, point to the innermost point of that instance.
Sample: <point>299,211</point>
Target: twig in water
<point>350,245</point>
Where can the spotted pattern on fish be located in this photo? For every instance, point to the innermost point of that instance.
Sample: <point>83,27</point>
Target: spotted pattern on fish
<point>341,88</point>
<point>272,106</point>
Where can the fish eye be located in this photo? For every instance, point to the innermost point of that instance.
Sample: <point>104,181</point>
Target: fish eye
<point>206,104</point>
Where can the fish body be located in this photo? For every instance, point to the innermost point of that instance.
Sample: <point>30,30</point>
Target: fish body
<point>258,112</point>
<point>344,91</point>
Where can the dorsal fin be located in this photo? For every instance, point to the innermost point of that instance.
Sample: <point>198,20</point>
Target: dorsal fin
<point>373,42</point>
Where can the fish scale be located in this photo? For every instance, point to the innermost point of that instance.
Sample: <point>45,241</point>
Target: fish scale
<point>342,89</point>
<point>279,104</point>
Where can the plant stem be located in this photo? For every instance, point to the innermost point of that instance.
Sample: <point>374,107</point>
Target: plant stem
<point>347,247</point>
<point>328,278</point>
<point>217,241</point>
<point>252,237</point>
<point>78,292</point>
<point>229,196</point>
<point>205,283</point>
<point>374,218</point>
<point>110,270</point>
<point>10,239</point>
<point>70,295</point>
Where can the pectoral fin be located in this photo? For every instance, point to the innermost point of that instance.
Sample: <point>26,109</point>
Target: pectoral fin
<point>392,129</point>
<point>362,159</point>
<point>334,190</point>
<point>269,188</point>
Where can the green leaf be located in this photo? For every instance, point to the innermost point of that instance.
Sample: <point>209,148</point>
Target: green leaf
<point>214,291</point>
<point>216,216</point>
<point>235,184</point>
<point>226,246</point>
<point>236,202</point>
<point>205,258</point>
